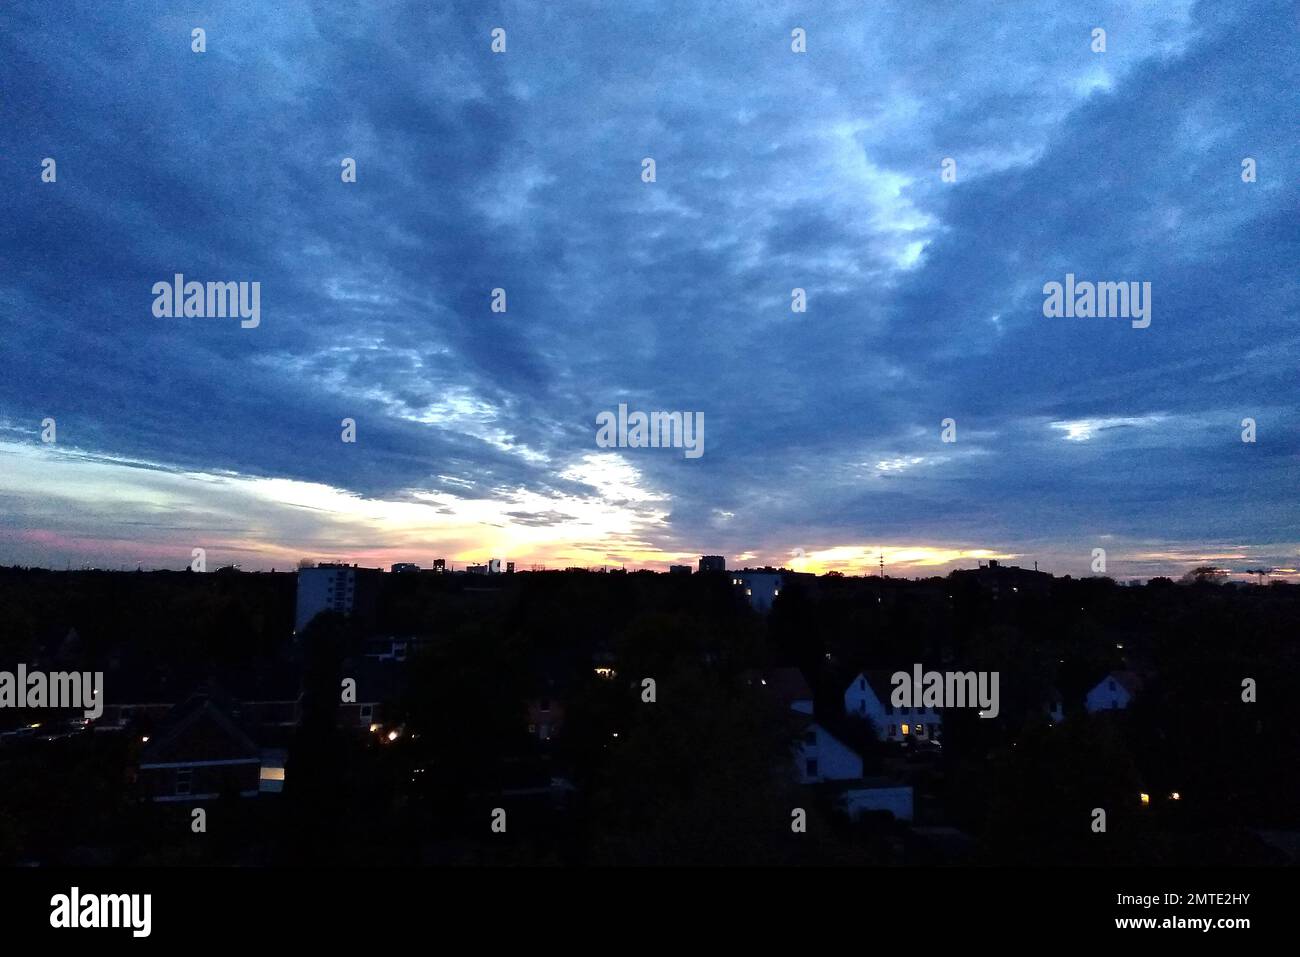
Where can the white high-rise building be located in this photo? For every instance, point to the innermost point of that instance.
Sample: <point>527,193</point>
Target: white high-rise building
<point>332,588</point>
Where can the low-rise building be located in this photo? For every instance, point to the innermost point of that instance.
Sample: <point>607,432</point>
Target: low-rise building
<point>1113,692</point>
<point>199,754</point>
<point>868,698</point>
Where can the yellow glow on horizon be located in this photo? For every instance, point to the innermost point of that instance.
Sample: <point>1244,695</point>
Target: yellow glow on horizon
<point>110,510</point>
<point>865,559</point>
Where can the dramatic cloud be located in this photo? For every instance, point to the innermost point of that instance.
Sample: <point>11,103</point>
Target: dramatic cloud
<point>775,170</point>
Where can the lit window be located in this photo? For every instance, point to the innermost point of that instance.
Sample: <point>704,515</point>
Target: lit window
<point>906,728</point>
<point>1146,798</point>
<point>920,730</point>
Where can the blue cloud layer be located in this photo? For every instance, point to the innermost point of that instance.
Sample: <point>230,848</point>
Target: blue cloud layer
<point>774,171</point>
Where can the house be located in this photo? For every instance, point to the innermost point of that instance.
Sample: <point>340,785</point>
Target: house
<point>1054,706</point>
<point>545,717</point>
<point>868,698</point>
<point>200,753</point>
<point>1113,692</point>
<point>394,647</point>
<point>379,682</point>
<point>820,756</point>
<point>877,795</point>
<point>786,685</point>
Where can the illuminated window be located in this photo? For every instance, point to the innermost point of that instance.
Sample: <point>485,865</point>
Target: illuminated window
<point>920,730</point>
<point>906,728</point>
<point>1146,798</point>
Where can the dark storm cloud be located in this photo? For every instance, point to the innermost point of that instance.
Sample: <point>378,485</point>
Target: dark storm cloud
<point>774,171</point>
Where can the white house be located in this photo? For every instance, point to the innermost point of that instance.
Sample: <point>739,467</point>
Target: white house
<point>868,697</point>
<point>1113,692</point>
<point>821,756</point>
<point>894,797</point>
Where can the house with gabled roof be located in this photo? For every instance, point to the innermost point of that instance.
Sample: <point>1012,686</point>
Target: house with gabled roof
<point>868,698</point>
<point>199,753</point>
<point>1113,692</point>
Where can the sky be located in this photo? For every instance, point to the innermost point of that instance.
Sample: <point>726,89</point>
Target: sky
<point>774,170</point>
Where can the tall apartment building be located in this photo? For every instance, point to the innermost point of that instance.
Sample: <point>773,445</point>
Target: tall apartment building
<point>343,588</point>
